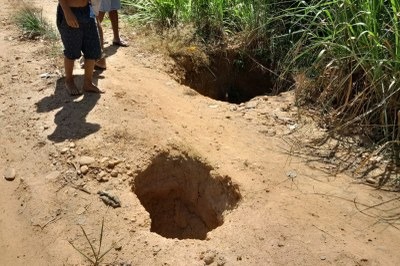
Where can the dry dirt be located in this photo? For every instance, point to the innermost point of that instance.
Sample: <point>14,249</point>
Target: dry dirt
<point>194,181</point>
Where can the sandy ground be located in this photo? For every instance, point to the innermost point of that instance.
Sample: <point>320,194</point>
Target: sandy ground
<point>199,182</point>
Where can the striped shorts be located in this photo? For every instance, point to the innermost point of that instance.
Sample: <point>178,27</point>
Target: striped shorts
<point>109,5</point>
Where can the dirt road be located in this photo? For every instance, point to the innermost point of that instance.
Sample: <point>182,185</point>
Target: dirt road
<point>199,182</point>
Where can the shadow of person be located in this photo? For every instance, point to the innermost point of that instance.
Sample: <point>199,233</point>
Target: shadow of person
<point>110,50</point>
<point>71,119</point>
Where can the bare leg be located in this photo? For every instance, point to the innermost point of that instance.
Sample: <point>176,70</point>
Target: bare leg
<point>101,63</point>
<point>115,27</point>
<point>88,78</point>
<point>114,24</point>
<point>69,79</point>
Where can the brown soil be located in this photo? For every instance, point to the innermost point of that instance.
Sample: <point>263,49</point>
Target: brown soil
<point>198,181</point>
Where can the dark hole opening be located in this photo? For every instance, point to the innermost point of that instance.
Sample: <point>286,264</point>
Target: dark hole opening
<point>183,198</point>
<point>230,76</point>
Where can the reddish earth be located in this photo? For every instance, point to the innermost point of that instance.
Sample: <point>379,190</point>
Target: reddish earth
<point>198,181</point>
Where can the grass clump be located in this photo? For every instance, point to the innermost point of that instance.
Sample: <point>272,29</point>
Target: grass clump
<point>30,20</point>
<point>96,257</point>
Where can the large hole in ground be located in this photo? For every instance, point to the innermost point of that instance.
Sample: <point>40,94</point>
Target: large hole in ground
<point>229,75</point>
<point>183,196</point>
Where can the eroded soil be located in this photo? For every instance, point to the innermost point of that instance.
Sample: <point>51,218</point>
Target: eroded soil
<point>198,181</point>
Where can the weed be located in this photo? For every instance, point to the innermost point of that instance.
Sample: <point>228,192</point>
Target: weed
<point>30,20</point>
<point>95,257</point>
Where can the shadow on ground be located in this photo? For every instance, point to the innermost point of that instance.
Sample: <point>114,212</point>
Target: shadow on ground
<point>71,119</point>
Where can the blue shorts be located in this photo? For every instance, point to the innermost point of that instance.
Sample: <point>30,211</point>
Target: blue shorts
<point>109,5</point>
<point>84,39</point>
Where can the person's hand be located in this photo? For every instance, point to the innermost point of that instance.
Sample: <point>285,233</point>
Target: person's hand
<point>71,20</point>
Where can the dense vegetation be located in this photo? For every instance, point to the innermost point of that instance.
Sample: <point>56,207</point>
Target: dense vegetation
<point>347,52</point>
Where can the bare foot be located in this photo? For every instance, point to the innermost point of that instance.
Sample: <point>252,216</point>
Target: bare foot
<point>91,88</point>
<point>71,88</point>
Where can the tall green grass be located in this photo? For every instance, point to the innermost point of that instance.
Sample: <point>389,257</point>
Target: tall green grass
<point>350,49</point>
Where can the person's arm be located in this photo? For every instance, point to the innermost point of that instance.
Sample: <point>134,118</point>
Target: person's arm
<point>69,16</point>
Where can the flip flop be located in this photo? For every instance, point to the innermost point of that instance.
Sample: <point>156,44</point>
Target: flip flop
<point>121,43</point>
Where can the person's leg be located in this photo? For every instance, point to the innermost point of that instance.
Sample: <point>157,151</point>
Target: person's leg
<point>70,37</point>
<point>100,16</point>
<point>113,14</point>
<point>115,28</point>
<point>92,52</point>
<point>101,63</point>
<point>69,78</point>
<point>88,77</point>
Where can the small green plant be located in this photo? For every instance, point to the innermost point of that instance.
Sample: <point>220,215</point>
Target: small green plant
<point>95,257</point>
<point>30,20</point>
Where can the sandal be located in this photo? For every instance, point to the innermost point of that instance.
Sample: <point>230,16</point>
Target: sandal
<point>121,43</point>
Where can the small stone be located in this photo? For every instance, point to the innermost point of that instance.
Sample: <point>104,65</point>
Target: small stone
<point>371,181</point>
<point>10,174</point>
<point>72,145</point>
<point>86,160</point>
<point>84,169</point>
<point>102,176</point>
<point>104,159</point>
<point>113,163</point>
<point>208,259</point>
<point>251,105</point>
<point>64,150</point>
<point>291,174</point>
<point>114,173</point>
<point>129,173</point>
<point>323,258</point>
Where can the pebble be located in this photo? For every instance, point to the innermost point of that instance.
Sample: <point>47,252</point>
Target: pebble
<point>113,163</point>
<point>84,169</point>
<point>64,150</point>
<point>72,145</point>
<point>102,177</point>
<point>251,105</point>
<point>86,160</point>
<point>10,174</point>
<point>114,173</point>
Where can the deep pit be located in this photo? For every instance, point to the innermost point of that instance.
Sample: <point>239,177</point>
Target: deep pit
<point>183,196</point>
<point>229,75</point>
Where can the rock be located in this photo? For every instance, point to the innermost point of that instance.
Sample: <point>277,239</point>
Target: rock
<point>371,181</point>
<point>109,199</point>
<point>72,145</point>
<point>86,160</point>
<point>251,105</point>
<point>64,150</point>
<point>10,174</point>
<point>102,177</point>
<point>209,257</point>
<point>113,163</point>
<point>291,174</point>
<point>114,173</point>
<point>84,169</point>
